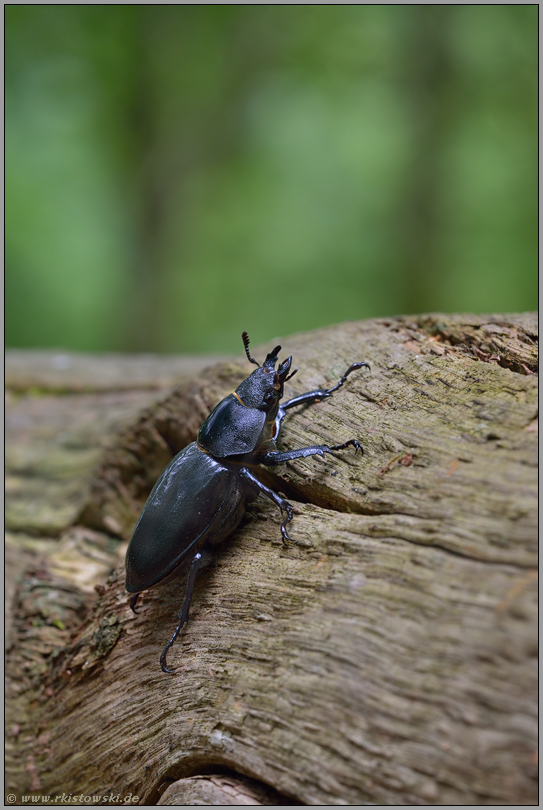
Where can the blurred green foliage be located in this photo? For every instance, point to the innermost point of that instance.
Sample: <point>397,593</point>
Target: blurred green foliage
<point>178,173</point>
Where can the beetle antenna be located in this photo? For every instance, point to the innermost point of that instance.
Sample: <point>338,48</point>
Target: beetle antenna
<point>245,338</point>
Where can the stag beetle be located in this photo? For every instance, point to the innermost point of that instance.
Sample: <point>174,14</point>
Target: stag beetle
<point>201,496</point>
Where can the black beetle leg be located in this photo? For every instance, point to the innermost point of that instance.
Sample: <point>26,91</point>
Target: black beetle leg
<point>133,602</point>
<point>351,443</point>
<point>275,457</point>
<point>351,368</point>
<point>311,397</point>
<point>283,505</point>
<point>199,561</point>
<point>284,534</point>
<point>321,393</point>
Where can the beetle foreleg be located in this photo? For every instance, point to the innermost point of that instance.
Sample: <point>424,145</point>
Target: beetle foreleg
<point>351,368</point>
<point>283,505</point>
<point>321,393</point>
<point>311,397</point>
<point>200,560</point>
<point>133,602</point>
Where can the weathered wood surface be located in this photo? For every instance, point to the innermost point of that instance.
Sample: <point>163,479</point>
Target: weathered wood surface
<point>389,658</point>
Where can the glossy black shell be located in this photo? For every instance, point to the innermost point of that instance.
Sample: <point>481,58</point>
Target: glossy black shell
<point>231,428</point>
<point>196,500</point>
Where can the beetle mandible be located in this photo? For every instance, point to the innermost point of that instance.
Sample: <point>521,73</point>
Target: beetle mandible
<point>201,496</point>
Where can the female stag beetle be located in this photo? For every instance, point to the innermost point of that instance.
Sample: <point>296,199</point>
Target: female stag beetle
<point>201,496</point>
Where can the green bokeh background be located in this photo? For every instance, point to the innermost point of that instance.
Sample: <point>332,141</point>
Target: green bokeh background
<point>176,174</point>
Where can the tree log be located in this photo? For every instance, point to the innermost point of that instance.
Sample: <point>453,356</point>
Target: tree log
<point>389,657</point>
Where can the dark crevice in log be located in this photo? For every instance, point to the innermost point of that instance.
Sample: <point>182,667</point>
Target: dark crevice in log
<point>209,767</point>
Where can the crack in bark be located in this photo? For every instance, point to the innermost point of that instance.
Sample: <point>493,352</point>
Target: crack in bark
<point>182,779</point>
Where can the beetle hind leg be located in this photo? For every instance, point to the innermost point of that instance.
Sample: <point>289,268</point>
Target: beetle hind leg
<point>167,647</point>
<point>200,560</point>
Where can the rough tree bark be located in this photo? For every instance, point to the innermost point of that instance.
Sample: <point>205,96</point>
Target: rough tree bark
<point>389,658</point>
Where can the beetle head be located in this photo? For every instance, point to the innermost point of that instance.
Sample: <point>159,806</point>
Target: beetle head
<point>264,387</point>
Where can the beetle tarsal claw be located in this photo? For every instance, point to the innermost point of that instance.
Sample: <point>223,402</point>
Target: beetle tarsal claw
<point>288,540</point>
<point>165,651</point>
<point>284,534</point>
<point>174,533</point>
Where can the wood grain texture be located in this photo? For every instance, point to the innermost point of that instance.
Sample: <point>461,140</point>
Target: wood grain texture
<point>390,657</point>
